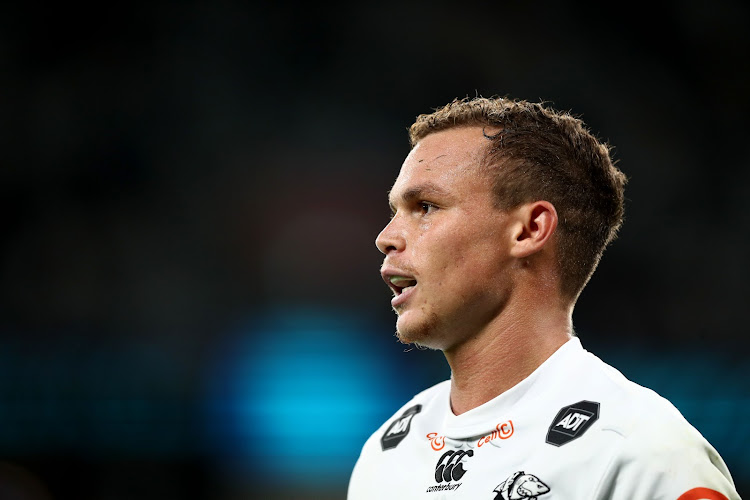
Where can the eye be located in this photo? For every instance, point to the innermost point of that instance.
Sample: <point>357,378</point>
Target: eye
<point>427,207</point>
<point>391,212</point>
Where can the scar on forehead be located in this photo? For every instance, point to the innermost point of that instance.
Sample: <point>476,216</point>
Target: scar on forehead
<point>438,156</point>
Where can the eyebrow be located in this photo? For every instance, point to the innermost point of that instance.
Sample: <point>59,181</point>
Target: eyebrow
<point>417,192</point>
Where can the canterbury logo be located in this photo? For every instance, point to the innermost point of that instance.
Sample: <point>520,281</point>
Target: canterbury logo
<point>450,467</point>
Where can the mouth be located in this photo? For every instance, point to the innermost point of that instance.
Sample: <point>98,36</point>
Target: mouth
<point>401,284</point>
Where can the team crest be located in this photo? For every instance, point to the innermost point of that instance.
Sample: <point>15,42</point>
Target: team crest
<point>520,486</point>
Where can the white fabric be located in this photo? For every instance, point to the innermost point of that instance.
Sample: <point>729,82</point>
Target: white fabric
<point>638,448</point>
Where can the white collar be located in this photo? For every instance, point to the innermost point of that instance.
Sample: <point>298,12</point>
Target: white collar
<point>475,422</point>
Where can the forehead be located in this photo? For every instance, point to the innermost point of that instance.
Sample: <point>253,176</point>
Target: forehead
<point>449,160</point>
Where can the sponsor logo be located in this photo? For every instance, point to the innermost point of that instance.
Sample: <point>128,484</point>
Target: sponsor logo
<point>572,421</point>
<point>398,430</point>
<point>449,468</point>
<point>519,486</point>
<point>436,442</point>
<point>702,494</point>
<point>503,430</point>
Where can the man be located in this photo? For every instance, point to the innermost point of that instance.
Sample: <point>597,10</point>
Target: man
<point>501,213</point>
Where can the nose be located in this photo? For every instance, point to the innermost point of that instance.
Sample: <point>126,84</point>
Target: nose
<point>390,238</point>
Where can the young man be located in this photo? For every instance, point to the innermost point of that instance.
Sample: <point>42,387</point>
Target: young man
<point>501,212</point>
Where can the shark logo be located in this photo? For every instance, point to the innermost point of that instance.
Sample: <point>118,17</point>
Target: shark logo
<point>519,486</point>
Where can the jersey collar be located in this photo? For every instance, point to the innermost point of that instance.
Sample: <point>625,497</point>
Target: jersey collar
<point>546,377</point>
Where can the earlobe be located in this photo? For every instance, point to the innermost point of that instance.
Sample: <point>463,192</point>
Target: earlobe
<point>534,226</point>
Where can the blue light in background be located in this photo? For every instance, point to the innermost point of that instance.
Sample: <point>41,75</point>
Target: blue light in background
<point>295,394</point>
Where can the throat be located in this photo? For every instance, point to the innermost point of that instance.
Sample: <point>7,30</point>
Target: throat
<point>483,369</point>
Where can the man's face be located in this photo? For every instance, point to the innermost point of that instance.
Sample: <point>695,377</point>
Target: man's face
<point>446,247</point>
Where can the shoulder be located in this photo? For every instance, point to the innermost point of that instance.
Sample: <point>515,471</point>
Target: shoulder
<point>627,408</point>
<point>594,398</point>
<point>656,451</point>
<point>633,415</point>
<point>665,458</point>
<point>426,400</point>
<point>397,425</point>
<point>429,395</point>
<point>384,447</point>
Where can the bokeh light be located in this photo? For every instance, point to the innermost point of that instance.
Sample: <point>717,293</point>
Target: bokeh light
<point>296,393</point>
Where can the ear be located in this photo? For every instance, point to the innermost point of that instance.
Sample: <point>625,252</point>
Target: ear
<point>535,223</point>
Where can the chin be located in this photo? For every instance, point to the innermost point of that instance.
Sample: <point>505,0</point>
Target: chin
<point>422,333</point>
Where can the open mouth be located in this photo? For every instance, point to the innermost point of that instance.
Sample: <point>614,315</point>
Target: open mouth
<point>401,284</point>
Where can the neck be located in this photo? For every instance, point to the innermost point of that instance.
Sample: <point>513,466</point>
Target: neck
<point>504,353</point>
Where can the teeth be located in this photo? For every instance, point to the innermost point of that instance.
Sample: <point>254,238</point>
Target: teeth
<point>402,281</point>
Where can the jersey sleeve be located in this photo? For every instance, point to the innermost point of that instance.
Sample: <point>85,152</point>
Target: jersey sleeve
<point>360,482</point>
<point>671,462</point>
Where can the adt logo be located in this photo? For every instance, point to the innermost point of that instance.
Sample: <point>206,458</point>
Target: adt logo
<point>572,421</point>
<point>398,430</point>
<point>450,467</point>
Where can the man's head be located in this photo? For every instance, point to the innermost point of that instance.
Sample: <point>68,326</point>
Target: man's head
<point>491,189</point>
<point>542,154</point>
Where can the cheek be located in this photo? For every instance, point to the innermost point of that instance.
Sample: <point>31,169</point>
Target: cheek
<point>458,249</point>
<point>484,254</point>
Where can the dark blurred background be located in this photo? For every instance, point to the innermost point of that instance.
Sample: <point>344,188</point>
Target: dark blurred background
<point>190,305</point>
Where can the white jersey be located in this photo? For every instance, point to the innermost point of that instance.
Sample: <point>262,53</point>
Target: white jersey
<point>575,429</point>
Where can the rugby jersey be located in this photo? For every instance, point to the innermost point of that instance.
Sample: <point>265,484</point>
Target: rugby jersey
<point>574,429</point>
